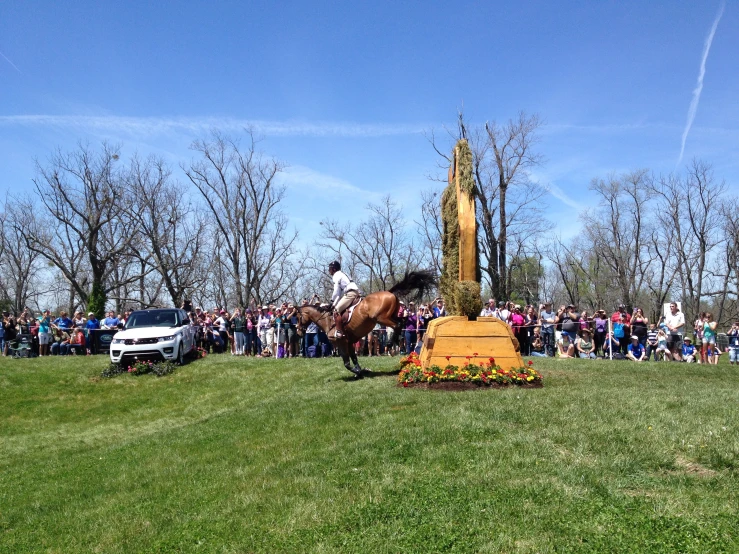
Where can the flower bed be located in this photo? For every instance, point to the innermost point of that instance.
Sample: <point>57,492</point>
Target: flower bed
<point>159,369</point>
<point>485,374</point>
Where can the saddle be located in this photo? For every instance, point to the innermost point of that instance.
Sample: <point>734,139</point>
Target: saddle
<point>346,317</point>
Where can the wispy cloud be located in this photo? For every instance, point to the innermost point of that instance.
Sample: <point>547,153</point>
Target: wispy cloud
<point>699,86</point>
<point>562,196</point>
<point>298,176</point>
<point>197,125</point>
<point>11,63</point>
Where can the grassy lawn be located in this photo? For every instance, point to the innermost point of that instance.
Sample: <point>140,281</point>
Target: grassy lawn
<point>239,455</point>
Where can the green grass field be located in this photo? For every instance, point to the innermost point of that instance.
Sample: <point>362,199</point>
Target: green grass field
<point>240,455</point>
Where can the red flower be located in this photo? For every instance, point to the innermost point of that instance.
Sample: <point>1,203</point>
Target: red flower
<point>448,358</point>
<point>474,354</point>
<point>405,384</point>
<point>531,363</point>
<point>492,360</point>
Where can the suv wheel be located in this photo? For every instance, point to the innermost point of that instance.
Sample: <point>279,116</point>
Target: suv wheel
<point>180,356</point>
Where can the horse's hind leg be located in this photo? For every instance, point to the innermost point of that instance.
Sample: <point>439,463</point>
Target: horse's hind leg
<point>357,370</point>
<point>347,353</point>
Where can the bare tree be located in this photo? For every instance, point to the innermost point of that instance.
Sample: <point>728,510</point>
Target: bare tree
<point>19,265</point>
<point>689,207</point>
<point>503,156</point>
<point>82,194</point>
<point>240,188</point>
<point>619,230</point>
<point>430,229</point>
<point>379,248</point>
<point>172,232</point>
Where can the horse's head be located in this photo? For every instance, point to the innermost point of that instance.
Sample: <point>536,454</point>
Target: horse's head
<point>307,315</point>
<point>303,320</point>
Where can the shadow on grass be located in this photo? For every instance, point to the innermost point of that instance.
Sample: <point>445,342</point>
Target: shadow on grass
<point>369,374</point>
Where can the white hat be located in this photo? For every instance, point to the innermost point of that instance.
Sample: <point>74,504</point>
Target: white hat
<point>402,303</point>
<point>634,337</point>
<point>91,313</point>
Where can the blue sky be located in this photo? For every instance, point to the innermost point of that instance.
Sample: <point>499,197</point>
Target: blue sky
<point>344,92</point>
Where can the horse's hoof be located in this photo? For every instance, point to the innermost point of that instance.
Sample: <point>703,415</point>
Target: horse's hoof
<point>357,372</point>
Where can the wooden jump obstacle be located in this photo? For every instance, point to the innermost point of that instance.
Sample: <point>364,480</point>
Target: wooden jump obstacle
<point>456,339</point>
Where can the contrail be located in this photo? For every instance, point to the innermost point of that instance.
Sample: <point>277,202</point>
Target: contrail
<point>699,86</point>
<point>11,63</point>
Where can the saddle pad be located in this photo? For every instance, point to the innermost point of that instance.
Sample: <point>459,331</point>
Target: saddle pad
<point>350,310</point>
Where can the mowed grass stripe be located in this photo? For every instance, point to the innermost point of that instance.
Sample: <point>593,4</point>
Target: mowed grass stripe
<point>234,455</point>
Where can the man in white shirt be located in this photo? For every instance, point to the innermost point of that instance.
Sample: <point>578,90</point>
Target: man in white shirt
<point>676,325</point>
<point>489,309</point>
<point>345,291</point>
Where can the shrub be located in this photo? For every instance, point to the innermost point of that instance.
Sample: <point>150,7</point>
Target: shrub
<point>140,367</point>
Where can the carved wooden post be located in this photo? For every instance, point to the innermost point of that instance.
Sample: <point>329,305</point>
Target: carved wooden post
<point>467,229</point>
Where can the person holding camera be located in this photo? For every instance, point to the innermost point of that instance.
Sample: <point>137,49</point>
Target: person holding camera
<point>733,335</point>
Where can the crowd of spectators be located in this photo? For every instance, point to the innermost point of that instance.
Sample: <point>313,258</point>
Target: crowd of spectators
<point>569,333</point>
<point>271,330</point>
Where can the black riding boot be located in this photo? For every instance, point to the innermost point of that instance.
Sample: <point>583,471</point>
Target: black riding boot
<point>339,325</point>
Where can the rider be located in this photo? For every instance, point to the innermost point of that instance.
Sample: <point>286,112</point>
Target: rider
<point>345,291</point>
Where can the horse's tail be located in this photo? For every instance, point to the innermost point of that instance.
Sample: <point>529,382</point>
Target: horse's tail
<point>419,282</point>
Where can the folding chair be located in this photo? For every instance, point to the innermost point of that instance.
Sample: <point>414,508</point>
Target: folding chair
<point>21,347</point>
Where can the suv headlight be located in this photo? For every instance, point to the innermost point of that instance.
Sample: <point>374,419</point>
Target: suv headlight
<point>167,339</point>
<point>118,341</point>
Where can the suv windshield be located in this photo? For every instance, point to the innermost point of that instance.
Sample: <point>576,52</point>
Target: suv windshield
<point>159,318</point>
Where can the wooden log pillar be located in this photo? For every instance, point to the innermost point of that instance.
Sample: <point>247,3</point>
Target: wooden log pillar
<point>467,228</point>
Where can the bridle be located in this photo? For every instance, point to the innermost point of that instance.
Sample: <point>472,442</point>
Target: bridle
<point>300,327</point>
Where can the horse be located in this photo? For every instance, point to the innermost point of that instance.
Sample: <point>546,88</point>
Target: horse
<point>379,307</point>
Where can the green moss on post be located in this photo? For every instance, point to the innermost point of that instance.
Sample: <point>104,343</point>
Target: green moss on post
<point>467,298</point>
<point>449,248</point>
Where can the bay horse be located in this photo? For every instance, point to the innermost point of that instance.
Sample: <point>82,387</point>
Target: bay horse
<point>379,307</point>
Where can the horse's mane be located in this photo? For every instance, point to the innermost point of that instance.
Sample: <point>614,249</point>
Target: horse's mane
<point>320,309</point>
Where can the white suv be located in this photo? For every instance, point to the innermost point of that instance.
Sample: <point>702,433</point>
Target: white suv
<point>163,334</point>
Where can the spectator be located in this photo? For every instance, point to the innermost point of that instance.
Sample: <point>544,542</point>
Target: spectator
<point>488,310</point>
<point>110,322</point>
<point>639,325</point>
<point>619,332</point>
<point>600,325</point>
<point>238,324</point>
<point>222,325</point>
<point>537,344</point>
<point>688,350</point>
<point>60,346</point>
<point>3,321</point>
<point>519,329</point>
<point>663,346</point>
<point>636,351</point>
<point>733,335</point>
<point>709,339</point>
<point>621,311</point>
<point>311,339</point>
<point>63,321</point>
<point>293,339</point>
<point>585,345</point>
<point>652,342</point>
<point>264,325</point>
<point>612,348</point>
<point>676,325</point>
<point>570,321</point>
<point>44,333</point>
<point>77,341</point>
<point>79,320</point>
<point>531,321</point>
<point>548,321</point>
<point>566,347</point>
<point>410,327</point>
<point>502,312</point>
<point>10,326</point>
<point>439,308</point>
